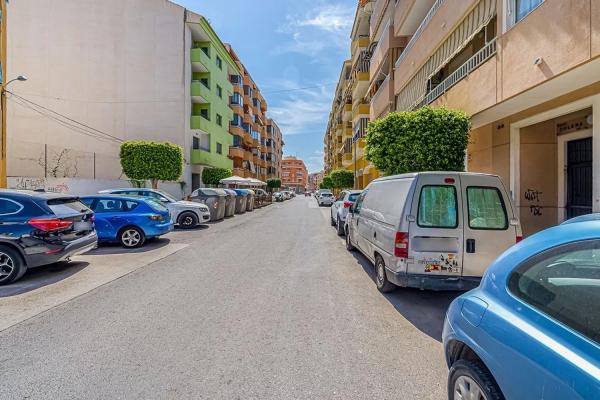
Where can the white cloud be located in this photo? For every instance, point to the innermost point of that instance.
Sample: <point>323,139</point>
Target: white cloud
<point>324,27</point>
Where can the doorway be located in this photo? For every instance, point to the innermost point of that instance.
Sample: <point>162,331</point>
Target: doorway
<point>579,177</point>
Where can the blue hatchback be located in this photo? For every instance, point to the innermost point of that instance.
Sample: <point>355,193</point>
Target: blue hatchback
<point>531,330</point>
<point>128,220</point>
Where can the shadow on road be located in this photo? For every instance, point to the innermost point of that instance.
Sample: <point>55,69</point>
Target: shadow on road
<point>425,309</point>
<point>196,228</point>
<point>106,249</point>
<point>42,276</point>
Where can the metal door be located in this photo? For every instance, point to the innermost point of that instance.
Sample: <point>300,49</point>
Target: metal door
<point>579,177</point>
<point>436,226</point>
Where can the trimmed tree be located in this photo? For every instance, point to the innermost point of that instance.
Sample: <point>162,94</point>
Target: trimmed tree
<point>273,183</point>
<point>153,161</point>
<point>342,179</point>
<point>213,176</point>
<point>327,183</point>
<point>427,139</point>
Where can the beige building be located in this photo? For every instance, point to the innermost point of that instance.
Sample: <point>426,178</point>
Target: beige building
<point>527,73</point>
<point>135,69</point>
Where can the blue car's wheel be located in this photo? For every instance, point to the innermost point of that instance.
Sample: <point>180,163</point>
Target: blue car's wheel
<point>471,380</point>
<point>131,237</point>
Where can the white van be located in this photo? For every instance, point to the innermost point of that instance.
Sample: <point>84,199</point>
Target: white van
<point>432,230</point>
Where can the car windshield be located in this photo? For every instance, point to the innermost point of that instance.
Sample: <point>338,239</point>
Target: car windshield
<point>353,196</point>
<point>167,196</point>
<point>67,206</point>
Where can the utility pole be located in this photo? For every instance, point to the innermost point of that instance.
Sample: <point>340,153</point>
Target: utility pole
<point>3,51</point>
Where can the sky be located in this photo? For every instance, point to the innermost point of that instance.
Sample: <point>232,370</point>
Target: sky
<point>287,45</point>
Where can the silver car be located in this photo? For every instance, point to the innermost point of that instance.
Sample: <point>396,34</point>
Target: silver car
<point>325,199</point>
<point>339,209</point>
<point>186,214</point>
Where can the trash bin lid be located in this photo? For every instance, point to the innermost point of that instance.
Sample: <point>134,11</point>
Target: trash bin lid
<point>220,192</point>
<point>230,192</point>
<point>242,192</point>
<point>250,191</point>
<point>207,192</point>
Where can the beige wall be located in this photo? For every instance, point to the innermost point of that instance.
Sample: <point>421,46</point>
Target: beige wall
<point>489,151</point>
<point>114,65</point>
<point>557,31</point>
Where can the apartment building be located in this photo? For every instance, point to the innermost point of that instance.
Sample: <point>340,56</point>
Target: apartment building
<point>273,152</point>
<point>527,73</point>
<point>294,174</point>
<point>315,180</point>
<point>249,125</point>
<point>350,112</point>
<point>211,90</point>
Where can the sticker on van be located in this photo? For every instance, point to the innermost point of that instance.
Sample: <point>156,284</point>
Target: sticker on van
<point>444,263</point>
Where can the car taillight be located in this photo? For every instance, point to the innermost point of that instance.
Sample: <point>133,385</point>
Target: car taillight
<point>347,204</point>
<point>50,224</point>
<point>401,245</point>
<point>156,217</point>
<point>519,238</point>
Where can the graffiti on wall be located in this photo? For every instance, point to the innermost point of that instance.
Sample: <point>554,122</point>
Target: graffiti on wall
<point>533,197</point>
<point>24,183</point>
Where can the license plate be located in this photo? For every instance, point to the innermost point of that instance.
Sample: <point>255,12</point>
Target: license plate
<point>82,226</point>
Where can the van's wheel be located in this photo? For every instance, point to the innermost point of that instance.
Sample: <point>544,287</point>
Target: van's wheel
<point>187,220</point>
<point>383,285</point>
<point>349,245</point>
<point>340,227</point>
<point>471,380</point>
<point>12,266</point>
<point>131,237</point>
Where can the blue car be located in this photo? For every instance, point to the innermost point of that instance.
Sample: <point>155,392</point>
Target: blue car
<point>128,220</point>
<point>531,330</point>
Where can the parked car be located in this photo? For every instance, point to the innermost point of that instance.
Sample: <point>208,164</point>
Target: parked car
<point>325,198</point>
<point>185,214</point>
<point>318,192</point>
<point>286,194</point>
<point>39,228</point>
<point>307,194</point>
<point>531,330</point>
<point>432,230</point>
<point>340,207</point>
<point>128,220</point>
<point>278,196</point>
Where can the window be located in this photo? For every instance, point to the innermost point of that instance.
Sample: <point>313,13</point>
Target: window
<point>219,91</point>
<point>205,82</point>
<point>564,283</point>
<point>486,208</point>
<point>195,143</point>
<point>204,113</point>
<point>438,207</point>
<point>359,202</point>
<point>114,205</point>
<point>205,50</point>
<point>237,120</point>
<point>519,9</point>
<point>236,98</point>
<point>66,206</point>
<point>219,120</point>
<point>219,148</point>
<point>9,207</point>
<point>219,62</point>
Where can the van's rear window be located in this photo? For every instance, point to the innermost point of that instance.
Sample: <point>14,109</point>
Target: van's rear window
<point>438,207</point>
<point>67,206</point>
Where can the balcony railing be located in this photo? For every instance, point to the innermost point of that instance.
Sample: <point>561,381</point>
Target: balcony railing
<point>420,30</point>
<point>360,129</point>
<point>469,66</point>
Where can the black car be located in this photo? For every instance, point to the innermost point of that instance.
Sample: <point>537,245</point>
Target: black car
<point>39,228</point>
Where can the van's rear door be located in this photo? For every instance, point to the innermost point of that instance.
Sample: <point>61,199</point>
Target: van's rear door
<point>436,228</point>
<point>488,232</point>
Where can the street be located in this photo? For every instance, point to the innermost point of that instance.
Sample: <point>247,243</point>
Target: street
<point>269,305</point>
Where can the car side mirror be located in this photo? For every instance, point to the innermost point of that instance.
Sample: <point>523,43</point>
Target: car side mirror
<point>164,200</point>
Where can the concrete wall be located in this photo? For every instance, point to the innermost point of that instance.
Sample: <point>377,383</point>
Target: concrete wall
<point>114,65</point>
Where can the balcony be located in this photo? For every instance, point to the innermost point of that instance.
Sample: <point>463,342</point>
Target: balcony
<point>386,42</point>
<point>200,93</point>
<point>203,157</point>
<point>361,109</point>
<point>360,43</point>
<point>236,152</point>
<point>409,14</point>
<point>199,122</point>
<point>383,100</point>
<point>241,172</point>
<point>200,61</point>
<point>347,113</point>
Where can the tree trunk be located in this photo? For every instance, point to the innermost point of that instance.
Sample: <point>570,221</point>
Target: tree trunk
<point>154,183</point>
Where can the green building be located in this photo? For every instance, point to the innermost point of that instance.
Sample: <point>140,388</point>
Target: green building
<point>210,90</point>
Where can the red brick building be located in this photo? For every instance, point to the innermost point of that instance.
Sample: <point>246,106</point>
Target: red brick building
<point>294,174</point>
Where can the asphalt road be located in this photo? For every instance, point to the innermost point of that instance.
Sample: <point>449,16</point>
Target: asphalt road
<point>267,305</point>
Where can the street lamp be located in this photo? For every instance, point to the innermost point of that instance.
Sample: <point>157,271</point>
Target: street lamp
<point>20,78</point>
